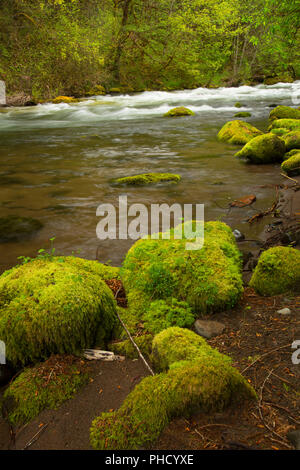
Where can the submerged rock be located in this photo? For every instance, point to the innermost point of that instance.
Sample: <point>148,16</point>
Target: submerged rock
<point>291,166</point>
<point>179,111</point>
<point>266,148</point>
<point>238,132</point>
<point>54,305</point>
<point>147,178</point>
<point>292,140</point>
<point>284,112</point>
<point>243,115</point>
<point>277,272</point>
<point>14,228</point>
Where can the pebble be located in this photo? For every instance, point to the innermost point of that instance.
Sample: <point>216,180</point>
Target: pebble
<point>238,235</point>
<point>284,311</point>
<point>208,329</point>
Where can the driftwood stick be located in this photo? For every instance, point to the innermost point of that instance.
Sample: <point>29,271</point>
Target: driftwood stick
<point>35,437</point>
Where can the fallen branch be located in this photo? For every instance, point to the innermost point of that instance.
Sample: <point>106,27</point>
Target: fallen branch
<point>266,354</point>
<point>98,355</point>
<point>35,437</point>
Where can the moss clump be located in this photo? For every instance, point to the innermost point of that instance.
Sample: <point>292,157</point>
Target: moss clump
<point>291,153</point>
<point>163,314</point>
<point>238,132</point>
<point>242,115</point>
<point>266,148</point>
<point>208,279</point>
<point>54,305</point>
<point>277,272</point>
<point>126,348</point>
<point>284,112</point>
<point>292,140</point>
<point>96,91</point>
<point>290,124</point>
<point>147,178</point>
<point>15,228</point>
<point>179,111</point>
<point>46,385</point>
<point>280,131</point>
<point>238,105</point>
<point>204,383</point>
<point>291,166</point>
<point>279,79</point>
<point>64,99</point>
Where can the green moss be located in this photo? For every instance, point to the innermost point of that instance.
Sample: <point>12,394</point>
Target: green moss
<point>126,348</point>
<point>284,112</point>
<point>238,105</point>
<point>147,178</point>
<point>96,91</point>
<point>292,140</point>
<point>291,166</point>
<point>280,131</point>
<point>290,124</point>
<point>14,228</point>
<point>179,111</point>
<point>290,154</point>
<point>238,132</point>
<point>277,272</point>
<point>163,314</point>
<point>55,305</point>
<point>266,148</point>
<point>64,99</point>
<point>285,78</point>
<point>208,279</point>
<point>45,386</point>
<point>205,382</point>
<point>242,115</point>
<point>115,90</point>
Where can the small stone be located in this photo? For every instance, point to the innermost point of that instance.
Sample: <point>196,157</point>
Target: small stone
<point>294,438</point>
<point>284,311</point>
<point>208,329</point>
<point>238,235</point>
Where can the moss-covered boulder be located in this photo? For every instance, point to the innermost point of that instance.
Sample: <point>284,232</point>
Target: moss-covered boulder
<point>96,91</point>
<point>56,305</point>
<point>291,166</point>
<point>207,279</point>
<point>65,99</point>
<point>277,271</point>
<point>292,140</point>
<point>148,178</point>
<point>204,382</point>
<point>284,112</point>
<point>243,114</point>
<point>280,131</point>
<point>238,132</point>
<point>44,386</point>
<point>15,228</point>
<point>126,348</point>
<point>289,124</point>
<point>179,111</point>
<point>238,105</point>
<point>267,148</point>
<point>290,154</point>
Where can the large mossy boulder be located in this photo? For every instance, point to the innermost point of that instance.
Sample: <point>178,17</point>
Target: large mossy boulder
<point>65,99</point>
<point>291,166</point>
<point>15,228</point>
<point>277,272</point>
<point>179,111</point>
<point>55,305</point>
<point>147,178</point>
<point>238,132</point>
<point>196,378</point>
<point>288,124</point>
<point>207,279</point>
<point>267,148</point>
<point>284,112</point>
<point>292,140</point>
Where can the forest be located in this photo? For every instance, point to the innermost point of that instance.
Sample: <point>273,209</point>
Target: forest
<point>54,47</point>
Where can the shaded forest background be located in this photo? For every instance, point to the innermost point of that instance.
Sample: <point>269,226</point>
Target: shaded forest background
<point>53,47</point>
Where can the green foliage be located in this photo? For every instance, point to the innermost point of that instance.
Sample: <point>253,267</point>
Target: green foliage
<point>238,132</point>
<point>267,148</point>
<point>163,314</point>
<point>180,111</point>
<point>54,305</point>
<point>147,178</point>
<point>201,379</point>
<point>46,385</point>
<point>277,272</point>
<point>291,166</point>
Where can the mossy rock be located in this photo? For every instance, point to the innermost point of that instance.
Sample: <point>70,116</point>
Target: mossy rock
<point>277,272</point>
<point>179,111</point>
<point>284,112</point>
<point>291,166</point>
<point>148,178</point>
<point>44,386</point>
<point>290,124</point>
<point>205,383</point>
<point>126,348</point>
<point>96,91</point>
<point>238,105</point>
<point>65,99</point>
<point>207,279</point>
<point>267,148</point>
<point>292,140</point>
<point>280,131</point>
<point>242,115</point>
<point>162,314</point>
<point>15,228</point>
<point>290,154</point>
<point>55,305</point>
<point>238,132</point>
<point>278,79</point>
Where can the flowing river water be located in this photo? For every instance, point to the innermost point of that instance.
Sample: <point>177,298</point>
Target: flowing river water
<point>57,161</point>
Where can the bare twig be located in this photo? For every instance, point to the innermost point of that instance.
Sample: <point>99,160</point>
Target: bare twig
<point>35,437</point>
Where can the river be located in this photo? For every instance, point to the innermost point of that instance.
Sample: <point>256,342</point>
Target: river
<point>57,161</point>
